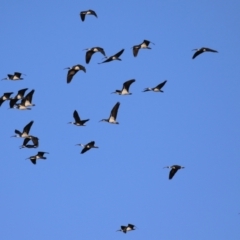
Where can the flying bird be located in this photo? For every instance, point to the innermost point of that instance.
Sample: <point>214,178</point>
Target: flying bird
<point>174,169</point>
<point>125,229</point>
<point>20,106</point>
<point>113,115</point>
<point>88,12</point>
<point>125,88</point>
<point>73,70</point>
<point>34,141</point>
<point>87,147</point>
<point>158,88</point>
<point>16,76</point>
<point>78,121</point>
<point>202,50</point>
<point>25,132</point>
<point>91,51</point>
<point>142,45</point>
<point>39,155</point>
<point>114,57</point>
<point>5,96</point>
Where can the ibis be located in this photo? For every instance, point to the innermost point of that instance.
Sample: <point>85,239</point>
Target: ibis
<point>113,115</point>
<point>125,229</point>
<point>39,155</point>
<point>25,132</point>
<point>87,146</point>
<point>202,50</point>
<point>143,45</point>
<point>16,76</point>
<point>5,96</point>
<point>78,121</point>
<point>27,100</point>
<point>158,88</point>
<point>88,12</point>
<point>91,51</point>
<point>73,70</point>
<point>114,57</point>
<point>125,88</point>
<point>174,169</point>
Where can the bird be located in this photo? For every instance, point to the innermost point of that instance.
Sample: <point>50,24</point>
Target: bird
<point>78,121</point>
<point>125,89</point>
<point>20,106</point>
<point>174,169</point>
<point>91,51</point>
<point>87,146</point>
<point>88,12</point>
<point>73,70</point>
<point>113,57</point>
<point>158,88</point>
<point>127,228</point>
<point>34,141</point>
<point>27,100</point>
<point>142,45</point>
<point>202,50</point>
<point>113,115</point>
<point>20,94</point>
<point>25,132</point>
<point>5,96</point>
<point>14,77</point>
<point>39,155</point>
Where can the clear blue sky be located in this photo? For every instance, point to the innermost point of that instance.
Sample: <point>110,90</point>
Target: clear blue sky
<point>194,123</point>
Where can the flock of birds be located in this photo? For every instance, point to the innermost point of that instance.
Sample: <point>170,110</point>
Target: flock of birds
<point>26,101</point>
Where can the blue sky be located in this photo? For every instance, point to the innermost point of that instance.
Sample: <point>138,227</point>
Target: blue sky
<point>194,123</point>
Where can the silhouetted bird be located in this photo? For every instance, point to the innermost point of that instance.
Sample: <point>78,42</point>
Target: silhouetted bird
<point>114,57</point>
<point>73,70</point>
<point>125,229</point>
<point>202,50</point>
<point>113,115</point>
<point>87,146</point>
<point>27,100</point>
<point>125,89</point>
<point>39,155</point>
<point>91,51</point>
<point>142,45</point>
<point>5,96</point>
<point>158,88</point>
<point>16,76</point>
<point>174,169</point>
<point>25,132</point>
<point>88,12</point>
<point>78,121</point>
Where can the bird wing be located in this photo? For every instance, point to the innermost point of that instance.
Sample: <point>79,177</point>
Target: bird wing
<point>94,13</point>
<point>119,53</point>
<point>82,15</point>
<point>84,150</point>
<point>159,86</point>
<point>89,55</point>
<point>107,60</point>
<point>146,42</point>
<point>197,53</point>
<point>127,84</point>
<point>26,129</point>
<point>76,116</point>
<point>101,50</point>
<point>22,92</point>
<point>1,101</point>
<point>17,74</point>
<point>34,140</point>
<point>131,225</point>
<point>70,75</point>
<point>172,172</point>
<point>33,161</point>
<point>135,50</point>
<point>115,110</point>
<point>25,141</point>
<point>29,96</point>
<point>40,154</point>
<point>82,68</point>
<point>210,50</point>
<point>12,102</point>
